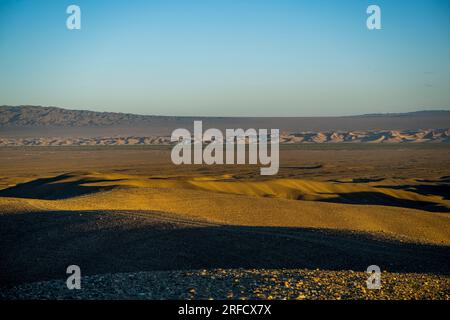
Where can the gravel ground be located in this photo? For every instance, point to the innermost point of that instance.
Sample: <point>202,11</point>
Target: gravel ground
<point>239,284</point>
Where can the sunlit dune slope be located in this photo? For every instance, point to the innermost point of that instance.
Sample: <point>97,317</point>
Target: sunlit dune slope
<point>249,203</point>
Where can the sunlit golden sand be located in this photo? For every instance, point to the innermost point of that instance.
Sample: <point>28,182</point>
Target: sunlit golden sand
<point>225,200</point>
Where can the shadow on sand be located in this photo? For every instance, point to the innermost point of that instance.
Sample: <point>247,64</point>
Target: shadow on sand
<point>381,199</point>
<point>40,245</point>
<point>441,190</point>
<point>54,188</point>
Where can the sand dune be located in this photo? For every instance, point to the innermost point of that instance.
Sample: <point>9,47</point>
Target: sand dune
<point>130,210</point>
<point>372,207</point>
<point>318,137</point>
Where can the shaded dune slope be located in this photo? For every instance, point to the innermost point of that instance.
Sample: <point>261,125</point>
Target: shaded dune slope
<point>40,245</point>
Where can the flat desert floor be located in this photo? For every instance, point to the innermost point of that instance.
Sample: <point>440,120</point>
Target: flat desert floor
<point>140,227</point>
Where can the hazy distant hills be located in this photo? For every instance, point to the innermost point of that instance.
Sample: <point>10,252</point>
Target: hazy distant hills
<point>52,116</point>
<point>41,122</point>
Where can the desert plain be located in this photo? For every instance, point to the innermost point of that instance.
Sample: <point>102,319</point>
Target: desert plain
<point>140,227</point>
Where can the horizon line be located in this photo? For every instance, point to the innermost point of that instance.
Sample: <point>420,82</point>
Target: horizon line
<point>221,116</point>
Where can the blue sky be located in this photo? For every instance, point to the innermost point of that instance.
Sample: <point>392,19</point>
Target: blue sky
<point>227,58</point>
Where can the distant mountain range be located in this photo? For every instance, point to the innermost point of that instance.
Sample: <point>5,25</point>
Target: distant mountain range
<point>52,116</point>
<point>37,121</point>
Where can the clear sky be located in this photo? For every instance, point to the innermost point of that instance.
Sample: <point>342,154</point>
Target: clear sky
<point>227,57</point>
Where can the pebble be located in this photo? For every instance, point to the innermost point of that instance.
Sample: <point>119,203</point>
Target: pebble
<point>241,284</point>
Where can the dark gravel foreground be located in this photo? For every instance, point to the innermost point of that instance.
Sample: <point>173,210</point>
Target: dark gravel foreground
<point>239,284</point>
